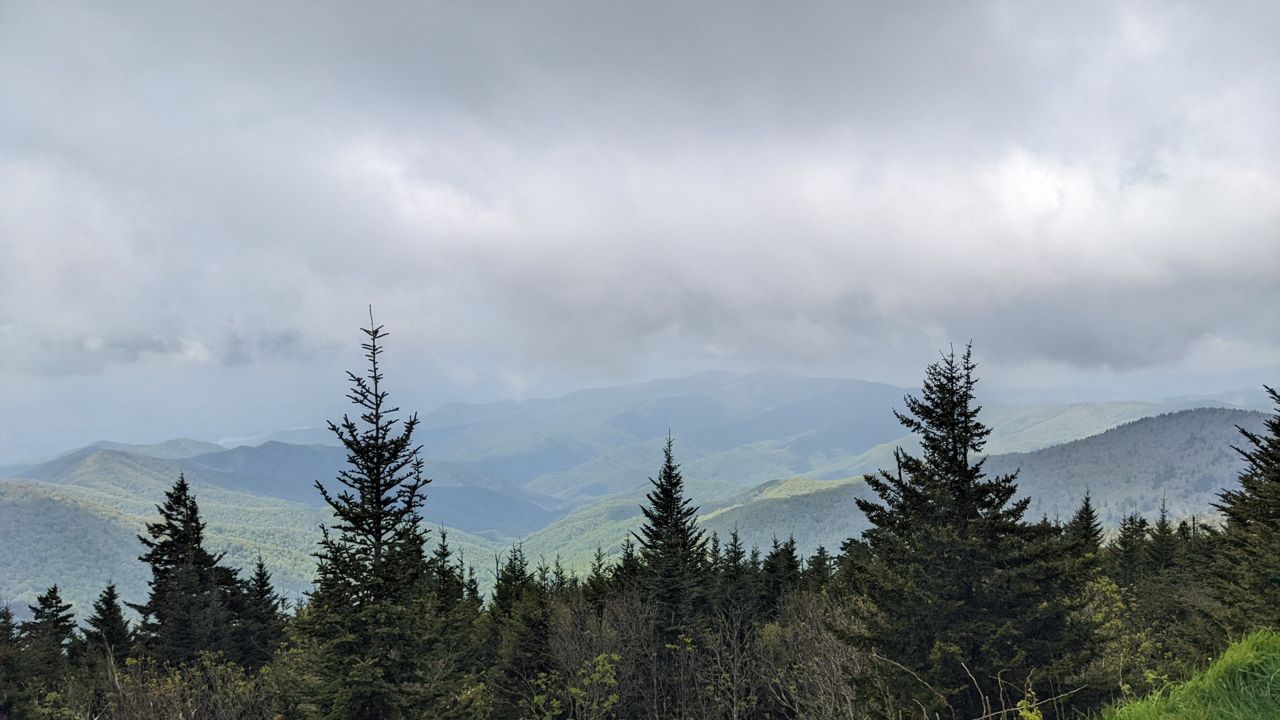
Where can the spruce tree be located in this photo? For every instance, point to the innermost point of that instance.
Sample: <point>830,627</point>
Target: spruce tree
<point>261,627</point>
<point>781,572</point>
<point>107,632</point>
<point>189,609</point>
<point>967,595</point>
<point>521,613</point>
<point>368,615</point>
<point>47,637</point>
<point>10,663</point>
<point>817,571</point>
<point>1247,580</point>
<point>672,549</point>
<point>1127,553</point>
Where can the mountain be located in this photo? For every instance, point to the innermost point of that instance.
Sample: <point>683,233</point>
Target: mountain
<point>75,521</point>
<point>769,453</point>
<point>1184,458</point>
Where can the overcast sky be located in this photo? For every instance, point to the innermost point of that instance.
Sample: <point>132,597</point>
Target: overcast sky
<point>198,201</point>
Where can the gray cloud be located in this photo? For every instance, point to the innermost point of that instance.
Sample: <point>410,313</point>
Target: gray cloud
<point>535,192</point>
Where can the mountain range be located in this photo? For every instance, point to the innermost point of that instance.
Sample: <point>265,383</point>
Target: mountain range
<point>769,454</point>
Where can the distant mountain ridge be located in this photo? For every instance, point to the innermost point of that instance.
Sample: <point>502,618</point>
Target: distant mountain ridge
<point>769,453</point>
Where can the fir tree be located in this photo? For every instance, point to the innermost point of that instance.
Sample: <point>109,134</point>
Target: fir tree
<point>10,663</point>
<point>672,549</point>
<point>107,632</point>
<point>367,616</point>
<point>625,575</point>
<point>817,571</point>
<point>47,637</point>
<point>1127,553</point>
<point>522,616</point>
<point>448,583</point>
<point>1247,580</point>
<point>1083,532</point>
<point>781,571</point>
<point>965,591</point>
<point>189,609</point>
<point>261,629</point>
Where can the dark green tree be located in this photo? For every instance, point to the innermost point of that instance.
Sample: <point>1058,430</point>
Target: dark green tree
<point>1247,581</point>
<point>368,618</point>
<point>262,621</point>
<point>672,549</point>
<point>521,615</point>
<point>46,638</point>
<point>967,595</point>
<point>1127,552</point>
<point>818,571</point>
<point>189,609</point>
<point>781,573</point>
<point>106,631</point>
<point>10,663</point>
<point>1083,533</point>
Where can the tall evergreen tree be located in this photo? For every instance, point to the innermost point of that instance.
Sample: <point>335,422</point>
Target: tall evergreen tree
<point>1127,553</point>
<point>365,619</point>
<point>107,632</point>
<point>672,549</point>
<point>261,626</point>
<point>10,663</point>
<point>189,609</point>
<point>1083,532</point>
<point>522,616</point>
<point>781,571</point>
<point>1248,571</point>
<point>47,637</point>
<point>966,593</point>
<point>818,570</point>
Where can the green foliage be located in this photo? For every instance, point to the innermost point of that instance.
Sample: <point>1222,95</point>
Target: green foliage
<point>672,549</point>
<point>106,631</point>
<point>963,590</point>
<point>1241,685</point>
<point>191,606</point>
<point>369,621</point>
<point>1248,578</point>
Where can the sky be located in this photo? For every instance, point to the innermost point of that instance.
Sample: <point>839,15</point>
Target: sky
<point>199,202</point>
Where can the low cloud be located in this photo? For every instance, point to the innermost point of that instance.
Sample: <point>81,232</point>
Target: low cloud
<point>586,190</point>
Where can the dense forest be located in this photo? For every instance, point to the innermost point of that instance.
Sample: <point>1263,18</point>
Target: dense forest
<point>955,602</point>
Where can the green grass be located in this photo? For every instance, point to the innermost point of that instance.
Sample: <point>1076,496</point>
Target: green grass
<point>1243,684</point>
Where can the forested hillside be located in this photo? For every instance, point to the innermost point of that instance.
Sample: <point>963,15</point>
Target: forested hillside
<point>936,584</point>
<point>261,499</point>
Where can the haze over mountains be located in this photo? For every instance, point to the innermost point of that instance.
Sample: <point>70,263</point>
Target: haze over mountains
<point>769,453</point>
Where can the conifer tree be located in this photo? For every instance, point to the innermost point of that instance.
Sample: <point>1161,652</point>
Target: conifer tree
<point>47,637</point>
<point>1083,532</point>
<point>261,627</point>
<point>672,549</point>
<point>625,575</point>
<point>448,583</point>
<point>817,571</point>
<point>107,632</point>
<point>961,584</point>
<point>189,609</point>
<point>10,666</point>
<point>522,614</point>
<point>596,588</point>
<point>1247,580</point>
<point>367,616</point>
<point>732,589</point>
<point>781,572</point>
<point>1127,553</point>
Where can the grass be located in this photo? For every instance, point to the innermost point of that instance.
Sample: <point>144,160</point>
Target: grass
<point>1243,684</point>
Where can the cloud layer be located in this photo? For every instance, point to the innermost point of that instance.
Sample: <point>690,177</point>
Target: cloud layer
<point>539,191</point>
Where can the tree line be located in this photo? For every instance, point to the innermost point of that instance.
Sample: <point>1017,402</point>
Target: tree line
<point>953,604</point>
